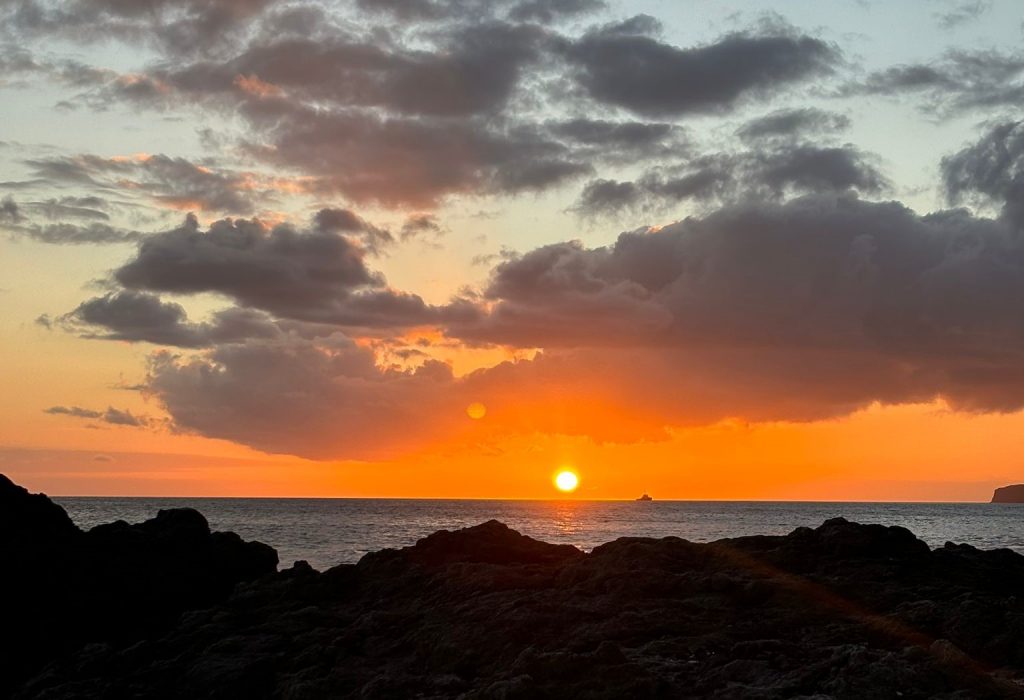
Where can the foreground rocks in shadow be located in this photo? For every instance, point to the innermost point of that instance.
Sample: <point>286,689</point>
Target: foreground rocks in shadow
<point>62,588</point>
<point>839,611</point>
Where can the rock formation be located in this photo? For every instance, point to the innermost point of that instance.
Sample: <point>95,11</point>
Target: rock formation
<point>117,583</point>
<point>839,611</point>
<point>1009,494</point>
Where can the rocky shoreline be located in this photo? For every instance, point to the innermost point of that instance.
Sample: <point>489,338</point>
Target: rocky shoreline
<point>166,609</point>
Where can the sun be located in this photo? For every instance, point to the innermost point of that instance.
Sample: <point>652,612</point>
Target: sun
<point>566,481</point>
<point>476,410</point>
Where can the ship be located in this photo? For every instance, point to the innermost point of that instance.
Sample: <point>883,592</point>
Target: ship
<point>645,497</point>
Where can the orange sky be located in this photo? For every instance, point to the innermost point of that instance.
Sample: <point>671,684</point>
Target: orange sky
<point>704,255</point>
<point>853,458</point>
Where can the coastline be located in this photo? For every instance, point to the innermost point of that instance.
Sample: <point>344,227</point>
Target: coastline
<point>840,610</point>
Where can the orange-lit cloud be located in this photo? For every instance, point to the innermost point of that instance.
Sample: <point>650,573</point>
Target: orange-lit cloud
<point>254,86</point>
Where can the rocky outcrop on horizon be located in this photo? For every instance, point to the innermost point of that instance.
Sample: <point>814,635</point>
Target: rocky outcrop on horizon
<point>1009,494</point>
<point>62,588</point>
<point>839,611</point>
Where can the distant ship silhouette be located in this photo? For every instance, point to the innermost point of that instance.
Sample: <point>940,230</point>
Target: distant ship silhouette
<point>645,497</point>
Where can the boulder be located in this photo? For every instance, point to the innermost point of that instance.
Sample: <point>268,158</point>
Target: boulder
<point>63,588</point>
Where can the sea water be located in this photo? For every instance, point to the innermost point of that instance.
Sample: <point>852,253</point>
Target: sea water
<point>326,532</point>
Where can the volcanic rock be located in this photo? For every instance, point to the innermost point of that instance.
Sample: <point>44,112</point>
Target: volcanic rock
<point>62,588</point>
<point>839,611</point>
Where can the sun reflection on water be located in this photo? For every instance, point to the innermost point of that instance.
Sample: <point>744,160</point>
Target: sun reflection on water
<point>567,518</point>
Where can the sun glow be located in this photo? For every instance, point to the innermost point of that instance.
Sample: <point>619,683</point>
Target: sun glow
<point>566,481</point>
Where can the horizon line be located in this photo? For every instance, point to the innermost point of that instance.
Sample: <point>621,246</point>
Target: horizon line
<point>524,500</point>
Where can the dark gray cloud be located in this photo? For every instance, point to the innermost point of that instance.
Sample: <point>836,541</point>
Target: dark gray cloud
<point>409,118</point>
<point>473,69</point>
<point>618,66</point>
<point>179,27</point>
<point>15,62</point>
<point>316,275</point>
<point>75,411</point>
<point>796,310</point>
<point>9,212</point>
<point>259,267</point>
<point>70,208</point>
<point>541,11</point>
<point>962,81</point>
<point>411,162</point>
<point>172,182</point>
<point>629,141</point>
<point>609,197</point>
<point>548,11</point>
<point>347,222</point>
<point>938,293</point>
<point>320,400</point>
<point>420,225</point>
<point>990,171</point>
<point>807,168</point>
<point>860,263</point>
<point>114,416</point>
<point>431,10</point>
<point>142,317</point>
<point>75,234</point>
<point>772,172</point>
<point>793,124</point>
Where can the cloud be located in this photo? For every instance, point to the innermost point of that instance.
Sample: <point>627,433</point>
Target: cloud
<point>9,212</point>
<point>111,415</point>
<point>408,119</point>
<point>540,11</point>
<point>322,400</point>
<point>792,124</point>
<point>793,310</point>
<point>471,70</point>
<point>138,316</point>
<point>991,171</point>
<point>420,225</point>
<point>75,234</point>
<point>179,27</point>
<point>860,281</point>
<point>410,162</point>
<point>962,81</point>
<point>548,11</point>
<point>71,208</point>
<point>772,171</point>
<point>963,13</point>
<point>171,182</point>
<point>345,221</point>
<point>620,141</point>
<point>315,275</point>
<point>608,197</point>
<point>620,66</point>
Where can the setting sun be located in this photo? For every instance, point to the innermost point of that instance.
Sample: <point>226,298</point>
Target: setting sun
<point>566,481</point>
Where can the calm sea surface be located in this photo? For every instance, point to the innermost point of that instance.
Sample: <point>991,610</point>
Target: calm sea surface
<point>326,532</point>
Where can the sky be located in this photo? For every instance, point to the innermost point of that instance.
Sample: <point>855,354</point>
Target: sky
<point>447,248</point>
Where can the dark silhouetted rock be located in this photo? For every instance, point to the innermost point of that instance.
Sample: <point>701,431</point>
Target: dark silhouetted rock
<point>62,588</point>
<point>839,611</point>
<point>1009,494</point>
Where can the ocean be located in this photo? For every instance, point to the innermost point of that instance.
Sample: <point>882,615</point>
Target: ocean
<point>326,532</point>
